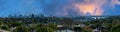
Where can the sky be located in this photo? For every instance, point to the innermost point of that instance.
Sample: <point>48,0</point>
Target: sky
<point>60,7</point>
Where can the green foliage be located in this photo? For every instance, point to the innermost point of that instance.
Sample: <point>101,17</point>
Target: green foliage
<point>45,24</point>
<point>53,26</point>
<point>21,29</point>
<point>116,28</point>
<point>14,24</point>
<point>44,29</point>
<point>5,27</point>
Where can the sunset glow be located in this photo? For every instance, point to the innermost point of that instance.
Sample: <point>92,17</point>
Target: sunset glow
<point>60,7</point>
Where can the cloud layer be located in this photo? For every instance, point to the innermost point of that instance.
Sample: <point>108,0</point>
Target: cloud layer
<point>59,7</point>
<point>79,7</point>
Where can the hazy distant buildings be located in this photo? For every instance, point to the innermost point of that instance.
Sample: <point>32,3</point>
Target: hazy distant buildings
<point>88,18</point>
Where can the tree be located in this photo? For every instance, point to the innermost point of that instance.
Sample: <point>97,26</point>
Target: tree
<point>5,27</point>
<point>52,26</point>
<point>14,24</point>
<point>21,29</point>
<point>43,28</point>
<point>116,28</point>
